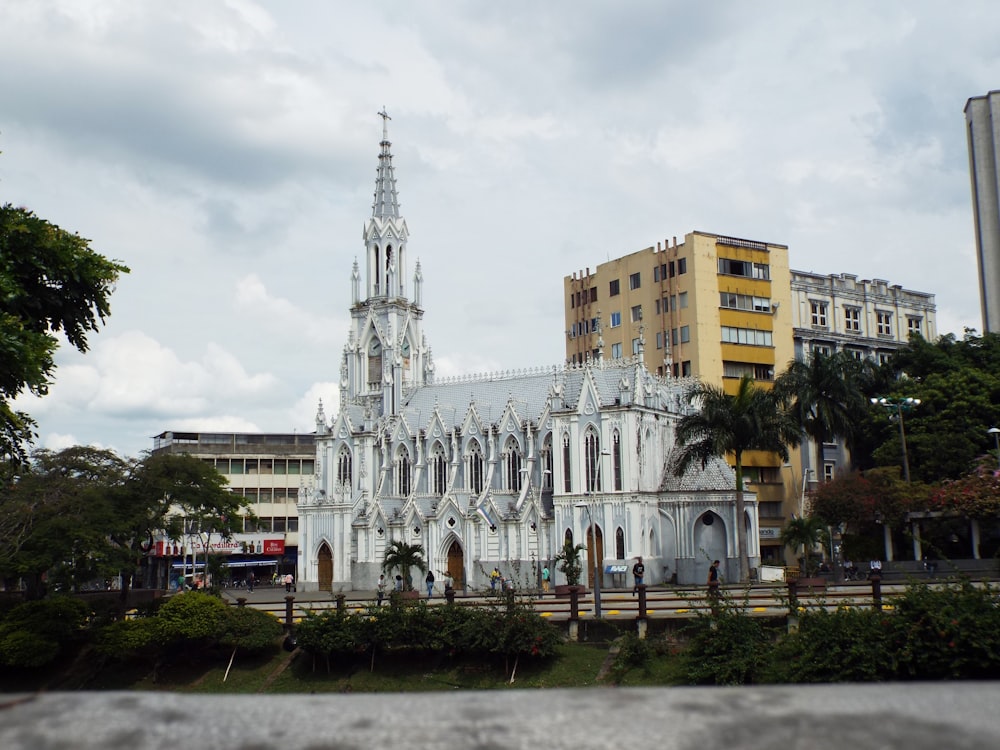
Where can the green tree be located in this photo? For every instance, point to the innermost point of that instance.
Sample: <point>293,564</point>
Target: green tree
<point>50,282</point>
<point>51,519</point>
<point>402,557</point>
<point>824,396</point>
<point>751,419</point>
<point>806,532</point>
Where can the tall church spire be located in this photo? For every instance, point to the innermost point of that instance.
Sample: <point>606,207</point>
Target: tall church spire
<point>386,200</point>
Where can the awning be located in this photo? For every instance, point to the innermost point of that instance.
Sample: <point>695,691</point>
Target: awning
<point>251,563</point>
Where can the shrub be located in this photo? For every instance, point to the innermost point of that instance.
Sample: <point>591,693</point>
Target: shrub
<point>947,632</point>
<point>848,645</point>
<point>250,629</point>
<point>192,616</point>
<point>35,633</point>
<point>726,648</point>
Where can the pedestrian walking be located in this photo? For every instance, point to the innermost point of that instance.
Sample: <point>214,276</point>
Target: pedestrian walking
<point>546,575</point>
<point>494,579</point>
<point>638,572</point>
<point>429,580</point>
<point>250,581</point>
<point>288,581</point>
<point>713,581</point>
<point>380,590</point>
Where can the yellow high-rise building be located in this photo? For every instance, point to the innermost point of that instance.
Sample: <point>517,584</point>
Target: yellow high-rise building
<point>711,307</point>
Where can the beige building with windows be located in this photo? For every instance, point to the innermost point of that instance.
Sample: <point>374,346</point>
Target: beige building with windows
<point>271,470</point>
<point>869,319</point>
<point>711,307</point>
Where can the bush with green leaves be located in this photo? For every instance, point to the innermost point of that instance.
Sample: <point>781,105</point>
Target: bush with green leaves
<point>726,647</point>
<point>846,645</point>
<point>946,632</point>
<point>509,632</point>
<point>34,633</point>
<point>250,629</point>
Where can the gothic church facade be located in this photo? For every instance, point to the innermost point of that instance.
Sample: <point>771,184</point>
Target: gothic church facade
<point>497,470</point>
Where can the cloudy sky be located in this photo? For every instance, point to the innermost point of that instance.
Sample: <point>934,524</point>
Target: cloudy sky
<point>226,152</point>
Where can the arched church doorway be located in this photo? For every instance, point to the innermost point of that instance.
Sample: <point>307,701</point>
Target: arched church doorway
<point>456,564</point>
<point>590,553</point>
<point>324,560</point>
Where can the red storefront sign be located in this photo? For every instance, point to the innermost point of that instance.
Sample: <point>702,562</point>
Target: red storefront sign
<point>274,546</point>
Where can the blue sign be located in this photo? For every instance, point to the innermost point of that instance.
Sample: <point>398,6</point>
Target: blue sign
<point>616,569</point>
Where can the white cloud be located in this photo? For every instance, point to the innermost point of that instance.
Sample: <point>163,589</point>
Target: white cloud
<point>226,152</point>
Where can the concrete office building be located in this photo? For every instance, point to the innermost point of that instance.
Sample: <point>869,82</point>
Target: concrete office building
<point>271,470</point>
<point>982,118</point>
<point>712,307</point>
<point>869,319</point>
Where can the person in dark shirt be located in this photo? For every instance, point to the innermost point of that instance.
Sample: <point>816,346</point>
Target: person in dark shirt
<point>638,572</point>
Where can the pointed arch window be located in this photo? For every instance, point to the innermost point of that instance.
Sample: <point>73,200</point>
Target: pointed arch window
<point>476,467</point>
<point>378,268</point>
<point>567,474</point>
<point>439,464</point>
<point>546,457</point>
<point>344,468</point>
<point>512,466</point>
<point>592,455</point>
<point>374,364</point>
<point>403,473</point>
<point>619,543</point>
<point>616,453</point>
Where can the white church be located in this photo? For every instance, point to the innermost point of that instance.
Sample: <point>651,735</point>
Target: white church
<point>498,470</point>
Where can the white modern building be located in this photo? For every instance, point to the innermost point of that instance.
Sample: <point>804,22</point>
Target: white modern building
<point>982,121</point>
<point>499,469</point>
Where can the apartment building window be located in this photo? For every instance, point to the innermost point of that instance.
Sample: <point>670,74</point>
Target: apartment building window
<point>616,319</point>
<point>750,369</point>
<point>913,326</point>
<point>685,334</point>
<point>657,307</point>
<point>733,301</point>
<point>883,322</point>
<point>753,337</point>
<point>636,313</point>
<point>633,281</point>
<point>682,300</point>
<point>659,339</point>
<point>614,288</point>
<point>595,324</point>
<point>616,351</point>
<point>593,294</point>
<point>822,350</point>
<point>817,311</point>
<point>858,354</point>
<point>730,267</point>
<point>686,368</point>
<point>656,273</point>
<point>635,347</point>
<point>852,319</point>
<point>682,266</point>
<point>828,470</point>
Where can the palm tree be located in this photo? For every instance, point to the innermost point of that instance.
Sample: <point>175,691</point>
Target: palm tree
<point>752,419</point>
<point>402,557</point>
<point>805,532</point>
<point>825,396</point>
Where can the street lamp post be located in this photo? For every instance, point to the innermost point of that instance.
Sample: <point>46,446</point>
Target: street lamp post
<point>593,541</point>
<point>899,404</point>
<point>995,432</point>
<point>593,535</point>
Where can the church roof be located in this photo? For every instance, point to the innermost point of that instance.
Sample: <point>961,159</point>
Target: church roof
<point>717,476</point>
<point>528,391</point>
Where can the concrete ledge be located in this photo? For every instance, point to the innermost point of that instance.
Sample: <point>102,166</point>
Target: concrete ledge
<point>916,716</point>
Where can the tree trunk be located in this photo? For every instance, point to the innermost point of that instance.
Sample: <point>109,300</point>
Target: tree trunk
<point>741,522</point>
